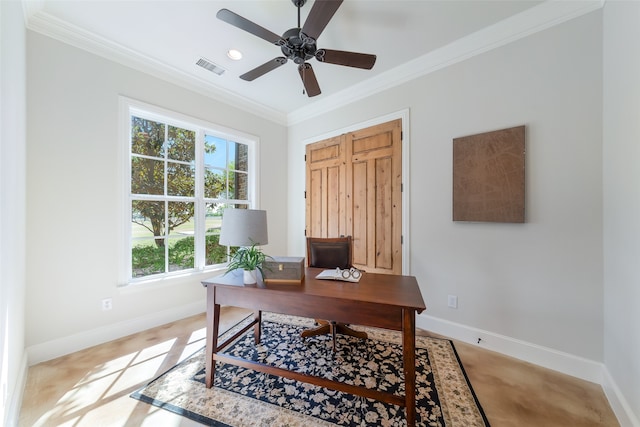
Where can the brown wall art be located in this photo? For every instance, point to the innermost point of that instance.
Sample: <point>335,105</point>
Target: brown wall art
<point>488,176</point>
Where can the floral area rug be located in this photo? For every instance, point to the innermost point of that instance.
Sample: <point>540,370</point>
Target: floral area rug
<point>243,397</point>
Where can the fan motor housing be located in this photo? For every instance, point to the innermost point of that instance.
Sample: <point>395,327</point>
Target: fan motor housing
<point>298,48</point>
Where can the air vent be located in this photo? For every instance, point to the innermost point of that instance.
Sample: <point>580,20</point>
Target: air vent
<point>208,65</point>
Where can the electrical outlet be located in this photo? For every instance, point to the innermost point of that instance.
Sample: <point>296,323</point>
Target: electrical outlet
<point>452,301</point>
<point>107,304</point>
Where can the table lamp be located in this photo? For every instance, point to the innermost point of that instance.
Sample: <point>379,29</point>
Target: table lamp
<point>245,228</point>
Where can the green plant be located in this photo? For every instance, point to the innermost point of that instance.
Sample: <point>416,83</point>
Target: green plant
<point>150,259</point>
<point>215,253</point>
<point>147,260</point>
<point>247,258</point>
<point>181,253</point>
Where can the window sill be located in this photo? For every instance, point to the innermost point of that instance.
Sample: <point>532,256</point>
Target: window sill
<point>142,285</point>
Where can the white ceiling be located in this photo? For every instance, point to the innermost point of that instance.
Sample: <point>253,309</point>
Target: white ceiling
<point>410,38</point>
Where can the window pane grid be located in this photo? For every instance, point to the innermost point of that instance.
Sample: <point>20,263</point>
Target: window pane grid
<point>181,180</point>
<point>151,197</point>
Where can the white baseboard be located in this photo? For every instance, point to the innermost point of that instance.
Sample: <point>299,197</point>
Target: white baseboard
<point>566,363</point>
<point>15,402</point>
<point>618,402</point>
<point>543,356</point>
<point>66,345</point>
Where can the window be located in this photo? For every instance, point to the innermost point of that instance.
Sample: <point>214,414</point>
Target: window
<point>182,174</point>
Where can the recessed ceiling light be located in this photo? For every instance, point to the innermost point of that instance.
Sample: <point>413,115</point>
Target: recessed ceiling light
<point>234,54</point>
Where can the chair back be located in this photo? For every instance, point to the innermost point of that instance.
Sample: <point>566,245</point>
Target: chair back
<point>329,252</point>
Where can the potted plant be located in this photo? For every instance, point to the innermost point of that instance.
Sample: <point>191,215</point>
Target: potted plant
<point>250,260</point>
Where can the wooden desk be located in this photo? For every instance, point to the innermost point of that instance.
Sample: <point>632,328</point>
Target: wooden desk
<point>378,300</point>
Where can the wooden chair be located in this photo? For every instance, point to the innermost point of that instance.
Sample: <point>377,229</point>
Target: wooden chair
<point>330,252</point>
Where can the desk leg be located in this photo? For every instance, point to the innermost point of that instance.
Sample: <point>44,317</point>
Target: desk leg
<point>409,362</point>
<point>257,329</point>
<point>213,323</point>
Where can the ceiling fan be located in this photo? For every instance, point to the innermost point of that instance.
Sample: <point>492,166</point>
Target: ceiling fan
<point>299,44</point>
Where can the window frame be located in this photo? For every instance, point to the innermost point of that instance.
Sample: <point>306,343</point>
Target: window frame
<point>129,107</point>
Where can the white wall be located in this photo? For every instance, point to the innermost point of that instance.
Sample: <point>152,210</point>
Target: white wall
<point>12,208</point>
<point>539,282</point>
<point>621,158</point>
<point>74,194</point>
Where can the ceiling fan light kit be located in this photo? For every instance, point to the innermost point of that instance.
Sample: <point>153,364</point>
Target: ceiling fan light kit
<point>299,44</point>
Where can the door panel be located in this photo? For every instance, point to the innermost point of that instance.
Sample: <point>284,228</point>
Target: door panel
<point>383,212</point>
<point>358,213</point>
<point>314,214</point>
<point>334,198</point>
<point>354,185</point>
<point>365,141</point>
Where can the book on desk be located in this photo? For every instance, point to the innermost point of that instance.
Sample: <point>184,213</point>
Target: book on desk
<point>347,275</point>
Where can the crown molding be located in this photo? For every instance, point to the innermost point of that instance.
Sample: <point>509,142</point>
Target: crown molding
<point>538,18</point>
<point>41,22</point>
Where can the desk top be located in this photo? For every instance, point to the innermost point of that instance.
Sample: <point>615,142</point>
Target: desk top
<point>390,290</point>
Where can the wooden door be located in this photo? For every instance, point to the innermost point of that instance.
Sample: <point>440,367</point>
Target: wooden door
<point>325,189</point>
<point>364,198</point>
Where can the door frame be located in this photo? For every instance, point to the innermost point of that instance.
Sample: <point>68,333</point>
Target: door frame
<point>406,137</point>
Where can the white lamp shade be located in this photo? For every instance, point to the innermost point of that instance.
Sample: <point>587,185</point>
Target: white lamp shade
<point>244,227</point>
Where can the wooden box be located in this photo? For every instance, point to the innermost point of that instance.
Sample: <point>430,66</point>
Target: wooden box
<point>283,269</point>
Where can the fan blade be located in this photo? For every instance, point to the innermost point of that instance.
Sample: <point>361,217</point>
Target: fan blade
<point>250,27</point>
<point>309,79</point>
<point>319,16</point>
<point>264,68</point>
<point>350,59</point>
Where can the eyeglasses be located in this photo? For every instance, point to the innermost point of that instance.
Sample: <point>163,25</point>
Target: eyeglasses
<point>351,272</point>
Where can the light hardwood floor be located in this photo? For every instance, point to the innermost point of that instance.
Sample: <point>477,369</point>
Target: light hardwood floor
<point>92,387</point>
